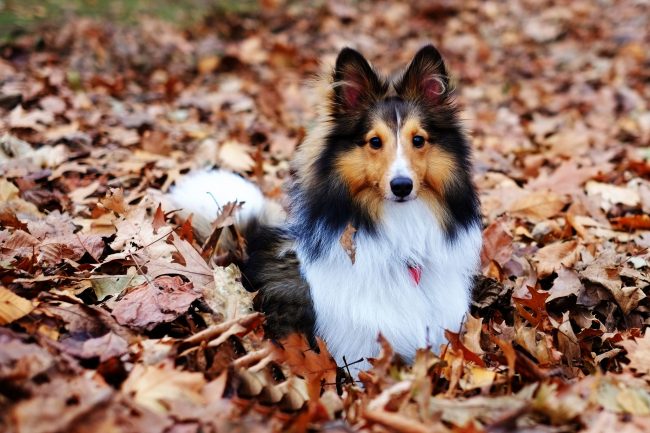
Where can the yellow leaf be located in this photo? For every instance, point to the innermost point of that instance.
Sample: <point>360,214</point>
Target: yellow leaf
<point>12,306</point>
<point>478,377</point>
<point>472,335</point>
<point>235,156</point>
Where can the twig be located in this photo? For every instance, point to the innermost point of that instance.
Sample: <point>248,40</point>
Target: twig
<point>397,422</point>
<point>216,330</point>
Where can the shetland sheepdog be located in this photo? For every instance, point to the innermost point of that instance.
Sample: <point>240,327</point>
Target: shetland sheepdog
<point>388,157</point>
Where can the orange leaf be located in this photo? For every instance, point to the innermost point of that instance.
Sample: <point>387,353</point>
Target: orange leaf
<point>537,303</point>
<point>632,222</point>
<point>316,368</point>
<point>459,347</point>
<point>158,219</point>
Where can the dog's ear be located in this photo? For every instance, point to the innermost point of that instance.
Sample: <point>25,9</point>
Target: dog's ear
<point>356,84</point>
<point>425,79</point>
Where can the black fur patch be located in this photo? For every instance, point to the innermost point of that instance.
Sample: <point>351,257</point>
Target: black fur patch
<point>283,295</point>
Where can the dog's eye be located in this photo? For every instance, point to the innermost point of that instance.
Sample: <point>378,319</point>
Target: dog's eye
<point>375,142</point>
<point>418,141</point>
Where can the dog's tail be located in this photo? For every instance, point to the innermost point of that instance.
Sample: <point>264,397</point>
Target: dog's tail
<point>204,193</point>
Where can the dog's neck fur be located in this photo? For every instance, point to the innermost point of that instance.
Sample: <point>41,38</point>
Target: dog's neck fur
<point>355,302</point>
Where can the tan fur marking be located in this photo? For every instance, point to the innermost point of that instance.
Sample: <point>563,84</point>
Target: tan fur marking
<point>365,169</point>
<point>433,167</point>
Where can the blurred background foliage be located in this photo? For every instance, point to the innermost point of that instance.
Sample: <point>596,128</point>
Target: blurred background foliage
<point>19,16</point>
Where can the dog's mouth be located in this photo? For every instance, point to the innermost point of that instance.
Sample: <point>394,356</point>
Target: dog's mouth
<point>401,199</point>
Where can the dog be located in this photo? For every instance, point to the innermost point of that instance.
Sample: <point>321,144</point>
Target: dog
<point>388,161</point>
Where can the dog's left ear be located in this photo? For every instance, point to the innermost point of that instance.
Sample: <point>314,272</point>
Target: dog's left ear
<point>425,78</point>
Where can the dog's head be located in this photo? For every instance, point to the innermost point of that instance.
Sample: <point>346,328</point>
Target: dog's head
<point>399,139</point>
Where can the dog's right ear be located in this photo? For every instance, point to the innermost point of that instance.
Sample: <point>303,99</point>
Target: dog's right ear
<point>426,78</point>
<point>356,84</point>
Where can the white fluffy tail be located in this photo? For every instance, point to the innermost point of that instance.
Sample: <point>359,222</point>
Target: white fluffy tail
<point>203,193</point>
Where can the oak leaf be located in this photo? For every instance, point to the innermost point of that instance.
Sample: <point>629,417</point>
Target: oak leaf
<point>151,303</point>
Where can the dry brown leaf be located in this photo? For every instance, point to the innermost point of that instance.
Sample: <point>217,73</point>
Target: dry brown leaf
<point>18,244</point>
<point>458,347</point>
<point>158,219</point>
<point>568,343</point>
<point>605,271</point>
<point>347,242</point>
<point>155,387</point>
<point>538,205</point>
<point>638,352</point>
<point>568,178</point>
<point>107,346</point>
<point>114,201</point>
<point>497,243</point>
<point>22,361</point>
<point>155,302</point>
<point>194,268</point>
<point>59,404</point>
<point>135,234</point>
<point>567,283</point>
<point>552,257</point>
<point>536,344</point>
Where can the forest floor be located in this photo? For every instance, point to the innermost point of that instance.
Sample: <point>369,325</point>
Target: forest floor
<point>115,319</point>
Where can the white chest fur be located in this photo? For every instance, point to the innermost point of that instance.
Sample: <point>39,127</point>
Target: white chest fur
<point>355,302</point>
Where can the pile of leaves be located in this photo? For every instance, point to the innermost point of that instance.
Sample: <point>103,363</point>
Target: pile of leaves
<point>114,318</point>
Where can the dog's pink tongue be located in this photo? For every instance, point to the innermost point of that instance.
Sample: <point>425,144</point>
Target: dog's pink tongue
<point>416,273</point>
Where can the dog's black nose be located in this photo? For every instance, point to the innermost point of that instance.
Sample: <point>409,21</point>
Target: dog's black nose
<point>401,186</point>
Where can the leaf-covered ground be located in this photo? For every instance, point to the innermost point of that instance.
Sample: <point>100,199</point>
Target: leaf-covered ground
<point>115,319</point>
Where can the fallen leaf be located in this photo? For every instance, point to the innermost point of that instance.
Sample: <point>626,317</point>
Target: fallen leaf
<point>111,285</point>
<point>12,306</point>
<point>158,219</point>
<point>604,272</point>
<point>612,194</point>
<point>566,283</point>
<point>114,201</point>
<point>537,206</point>
<point>632,222</point>
<point>151,303</point>
<point>155,387</point>
<point>568,343</point>
<point>472,336</point>
<point>234,156</point>
<point>552,257</point>
<point>347,242</point>
<point>497,243</point>
<point>458,346</point>
<point>227,296</point>
<point>22,361</point>
<point>194,269</point>
<point>638,352</point>
<point>568,178</point>
<point>58,404</point>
